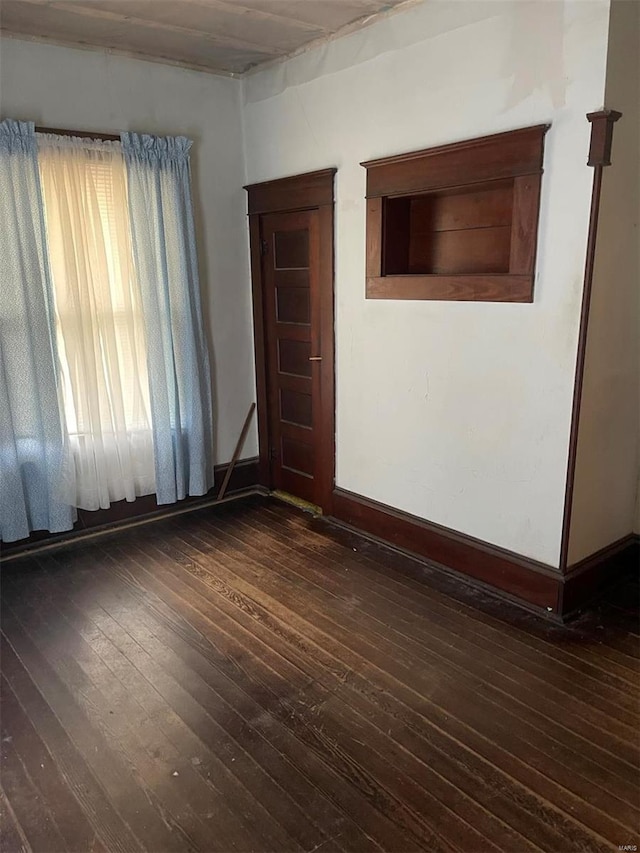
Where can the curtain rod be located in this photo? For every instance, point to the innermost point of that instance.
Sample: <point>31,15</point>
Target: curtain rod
<point>83,134</point>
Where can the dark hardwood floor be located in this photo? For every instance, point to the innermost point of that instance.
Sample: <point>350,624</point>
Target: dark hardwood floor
<point>247,678</point>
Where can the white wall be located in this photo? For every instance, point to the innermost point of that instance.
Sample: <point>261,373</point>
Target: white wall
<point>606,484</point>
<point>456,412</point>
<point>92,90</point>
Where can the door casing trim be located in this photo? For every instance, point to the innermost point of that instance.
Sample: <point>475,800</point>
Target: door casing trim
<point>310,191</point>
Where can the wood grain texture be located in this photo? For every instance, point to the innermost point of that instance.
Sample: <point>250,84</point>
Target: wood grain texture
<point>300,192</point>
<point>464,251</point>
<point>601,136</point>
<point>535,585</point>
<point>524,225</point>
<point>529,581</point>
<point>374,248</point>
<point>457,288</point>
<point>296,408</point>
<point>483,206</point>
<point>458,222</point>
<point>293,314</point>
<point>487,158</point>
<point>292,249</point>
<point>250,679</point>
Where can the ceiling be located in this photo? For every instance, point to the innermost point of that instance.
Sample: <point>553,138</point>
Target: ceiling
<point>223,36</point>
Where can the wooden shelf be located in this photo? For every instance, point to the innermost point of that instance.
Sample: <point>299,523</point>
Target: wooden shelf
<point>474,238</point>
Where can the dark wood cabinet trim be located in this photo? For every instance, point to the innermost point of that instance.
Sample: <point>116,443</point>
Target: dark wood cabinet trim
<point>458,288</point>
<point>299,192</point>
<point>314,190</point>
<point>599,156</point>
<point>486,158</point>
<point>515,156</point>
<point>524,227</point>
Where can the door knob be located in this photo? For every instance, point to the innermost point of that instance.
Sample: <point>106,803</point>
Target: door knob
<point>315,358</point>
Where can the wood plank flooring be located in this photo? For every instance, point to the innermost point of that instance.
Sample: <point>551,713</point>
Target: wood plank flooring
<point>247,678</point>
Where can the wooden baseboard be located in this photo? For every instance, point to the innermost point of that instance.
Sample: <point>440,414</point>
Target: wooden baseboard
<point>244,477</point>
<point>532,584</point>
<point>585,580</point>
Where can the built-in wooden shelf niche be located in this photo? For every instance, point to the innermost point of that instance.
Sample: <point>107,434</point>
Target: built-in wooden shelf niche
<point>458,222</point>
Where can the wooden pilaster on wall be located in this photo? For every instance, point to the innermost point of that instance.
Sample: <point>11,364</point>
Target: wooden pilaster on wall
<point>599,156</point>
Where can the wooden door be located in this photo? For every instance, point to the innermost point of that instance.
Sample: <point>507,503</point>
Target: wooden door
<point>291,227</point>
<point>290,261</point>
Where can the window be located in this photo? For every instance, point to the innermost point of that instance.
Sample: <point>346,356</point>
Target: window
<point>100,329</point>
<point>122,342</point>
<point>457,222</point>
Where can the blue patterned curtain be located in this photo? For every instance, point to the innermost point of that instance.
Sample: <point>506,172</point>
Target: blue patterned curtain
<point>33,446</point>
<point>178,363</point>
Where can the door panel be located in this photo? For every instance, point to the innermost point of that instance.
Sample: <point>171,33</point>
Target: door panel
<point>293,305</point>
<point>293,354</point>
<point>291,249</point>
<point>290,275</point>
<point>296,408</point>
<point>297,456</point>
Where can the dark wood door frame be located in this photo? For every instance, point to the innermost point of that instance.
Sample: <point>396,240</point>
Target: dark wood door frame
<point>311,191</point>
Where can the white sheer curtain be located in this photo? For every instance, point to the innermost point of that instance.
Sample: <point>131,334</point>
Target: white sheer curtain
<point>101,335</point>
